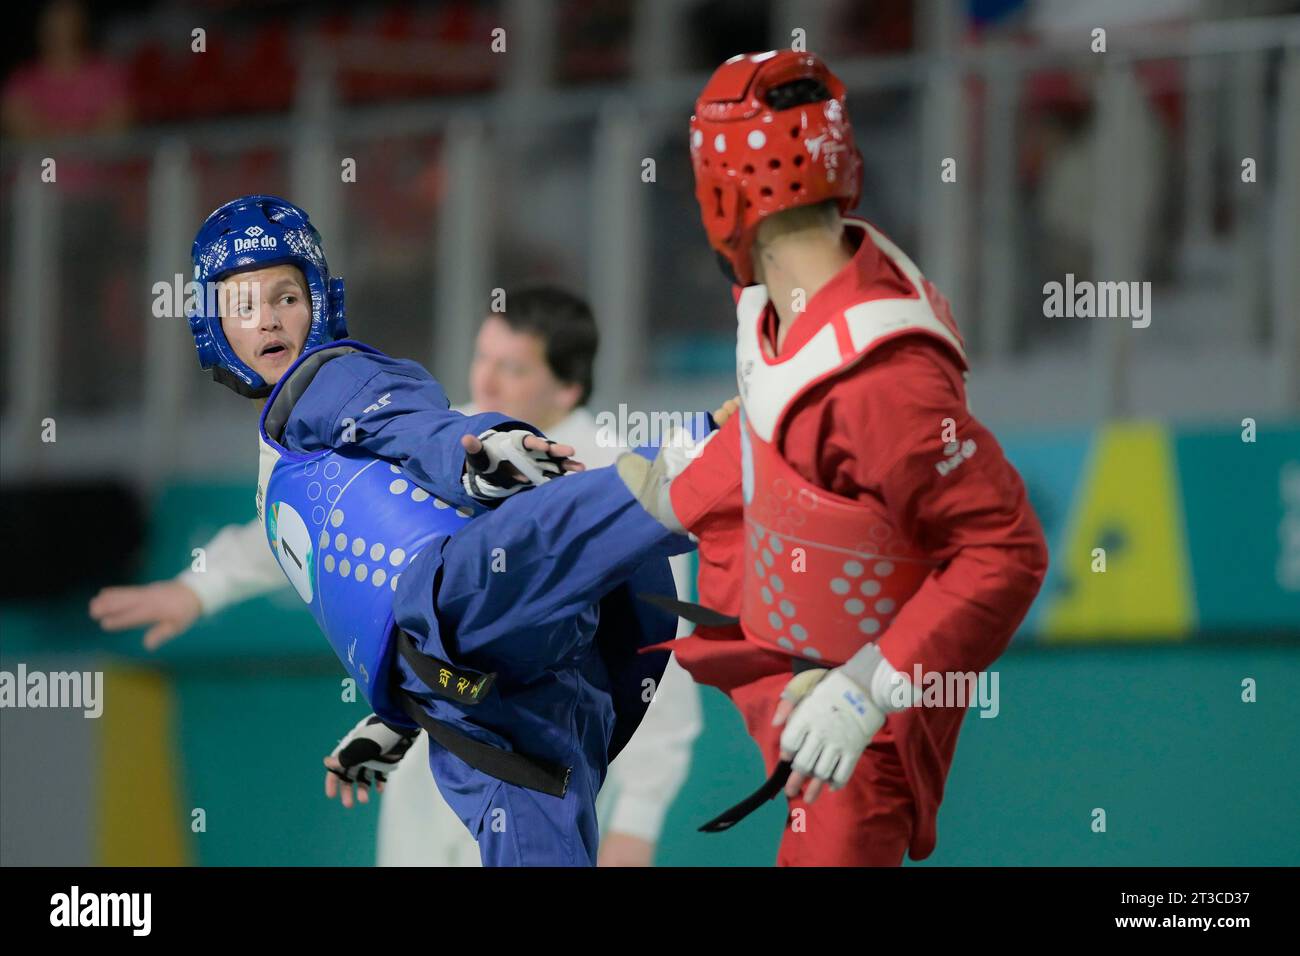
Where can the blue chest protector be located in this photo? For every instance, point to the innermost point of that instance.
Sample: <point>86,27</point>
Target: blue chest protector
<point>343,525</point>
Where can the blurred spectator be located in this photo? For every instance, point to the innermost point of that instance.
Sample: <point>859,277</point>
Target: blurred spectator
<point>68,89</point>
<point>1059,147</point>
<point>71,90</point>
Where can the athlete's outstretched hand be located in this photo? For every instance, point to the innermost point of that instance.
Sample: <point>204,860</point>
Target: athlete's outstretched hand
<point>365,755</point>
<point>498,464</point>
<point>168,608</point>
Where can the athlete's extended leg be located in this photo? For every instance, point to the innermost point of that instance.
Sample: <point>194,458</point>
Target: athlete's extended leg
<point>509,585</point>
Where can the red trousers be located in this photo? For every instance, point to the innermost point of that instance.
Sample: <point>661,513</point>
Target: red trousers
<point>868,822</point>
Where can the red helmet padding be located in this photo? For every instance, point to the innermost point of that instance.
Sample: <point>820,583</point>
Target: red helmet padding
<point>751,160</point>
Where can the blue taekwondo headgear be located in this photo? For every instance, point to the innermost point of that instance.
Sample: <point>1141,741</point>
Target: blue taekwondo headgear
<point>254,232</point>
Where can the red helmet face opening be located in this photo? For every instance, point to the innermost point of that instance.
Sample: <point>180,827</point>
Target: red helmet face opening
<point>770,132</point>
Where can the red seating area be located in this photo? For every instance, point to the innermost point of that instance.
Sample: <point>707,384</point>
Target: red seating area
<point>237,74</point>
<point>392,53</point>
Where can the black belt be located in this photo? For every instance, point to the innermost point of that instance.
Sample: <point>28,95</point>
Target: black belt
<point>770,788</point>
<point>469,688</point>
<point>698,614</point>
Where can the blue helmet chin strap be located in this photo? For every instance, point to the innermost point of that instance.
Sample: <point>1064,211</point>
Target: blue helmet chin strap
<point>256,232</point>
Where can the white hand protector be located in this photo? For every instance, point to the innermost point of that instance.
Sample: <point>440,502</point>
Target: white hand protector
<point>651,481</point>
<point>371,750</point>
<point>831,725</point>
<point>678,449</point>
<point>487,472</point>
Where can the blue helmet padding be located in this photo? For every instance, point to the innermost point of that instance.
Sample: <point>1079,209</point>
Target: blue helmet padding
<point>254,232</point>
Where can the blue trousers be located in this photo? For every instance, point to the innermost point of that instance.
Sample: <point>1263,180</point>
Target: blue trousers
<point>517,592</point>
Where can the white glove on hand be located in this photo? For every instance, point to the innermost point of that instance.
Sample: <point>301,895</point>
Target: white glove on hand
<point>369,751</point>
<point>833,721</point>
<point>488,476</point>
<point>650,481</point>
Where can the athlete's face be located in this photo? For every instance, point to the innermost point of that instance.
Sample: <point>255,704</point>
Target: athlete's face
<point>510,375</point>
<point>266,314</point>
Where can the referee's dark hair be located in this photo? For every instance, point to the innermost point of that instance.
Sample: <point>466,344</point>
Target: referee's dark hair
<point>566,327</point>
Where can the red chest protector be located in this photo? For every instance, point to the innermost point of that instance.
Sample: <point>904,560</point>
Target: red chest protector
<point>824,574</point>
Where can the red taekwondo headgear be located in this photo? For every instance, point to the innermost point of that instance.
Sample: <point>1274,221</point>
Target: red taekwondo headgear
<point>770,132</point>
